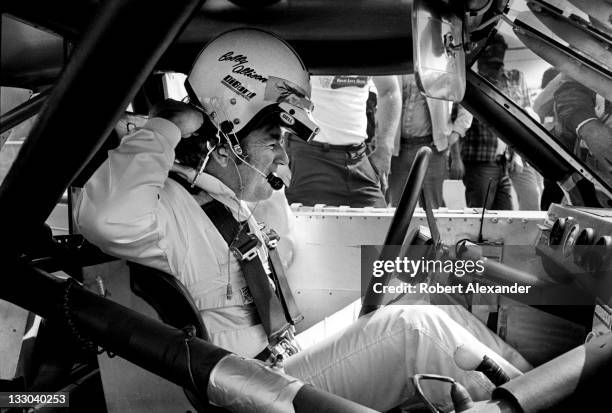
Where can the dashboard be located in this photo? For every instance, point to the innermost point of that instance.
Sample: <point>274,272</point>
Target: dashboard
<point>579,242</point>
<point>575,245</point>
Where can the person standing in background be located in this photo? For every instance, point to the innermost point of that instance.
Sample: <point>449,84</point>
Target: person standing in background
<point>489,164</point>
<point>543,105</point>
<point>334,168</point>
<point>426,122</point>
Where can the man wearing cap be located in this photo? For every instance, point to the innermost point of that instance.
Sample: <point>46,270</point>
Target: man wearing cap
<point>487,160</point>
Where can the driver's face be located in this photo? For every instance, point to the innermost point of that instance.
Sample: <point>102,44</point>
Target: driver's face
<point>265,151</point>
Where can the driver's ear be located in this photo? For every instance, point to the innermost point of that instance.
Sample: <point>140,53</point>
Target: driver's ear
<point>221,155</point>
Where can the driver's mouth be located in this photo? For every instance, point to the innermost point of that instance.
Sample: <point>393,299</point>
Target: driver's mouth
<point>284,173</point>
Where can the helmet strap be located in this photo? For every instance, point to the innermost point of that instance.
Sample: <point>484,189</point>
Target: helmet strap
<point>191,94</point>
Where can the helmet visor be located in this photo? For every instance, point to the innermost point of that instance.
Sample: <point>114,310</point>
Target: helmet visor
<point>295,107</point>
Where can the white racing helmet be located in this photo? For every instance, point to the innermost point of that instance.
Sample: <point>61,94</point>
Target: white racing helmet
<point>245,74</point>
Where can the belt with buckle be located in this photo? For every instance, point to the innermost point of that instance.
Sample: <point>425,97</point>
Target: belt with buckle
<point>354,151</point>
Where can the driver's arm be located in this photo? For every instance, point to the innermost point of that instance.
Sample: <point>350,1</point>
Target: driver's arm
<point>120,209</point>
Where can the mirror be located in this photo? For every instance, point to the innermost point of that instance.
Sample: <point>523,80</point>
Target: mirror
<point>439,58</point>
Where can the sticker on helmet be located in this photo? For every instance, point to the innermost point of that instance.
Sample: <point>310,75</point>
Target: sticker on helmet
<point>280,90</point>
<point>236,86</point>
<point>287,118</point>
<point>240,66</point>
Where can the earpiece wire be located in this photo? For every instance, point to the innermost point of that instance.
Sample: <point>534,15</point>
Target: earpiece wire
<point>219,109</point>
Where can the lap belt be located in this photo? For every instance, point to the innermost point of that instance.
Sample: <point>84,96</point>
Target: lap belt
<point>276,306</point>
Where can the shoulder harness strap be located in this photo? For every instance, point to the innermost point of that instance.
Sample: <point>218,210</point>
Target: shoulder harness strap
<point>275,313</point>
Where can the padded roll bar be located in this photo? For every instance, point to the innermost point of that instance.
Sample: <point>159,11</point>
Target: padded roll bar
<point>566,382</point>
<point>144,341</point>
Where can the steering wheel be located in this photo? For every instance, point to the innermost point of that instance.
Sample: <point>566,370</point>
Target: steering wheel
<point>399,225</point>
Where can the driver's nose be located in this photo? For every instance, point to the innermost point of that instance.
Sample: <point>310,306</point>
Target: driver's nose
<point>281,157</point>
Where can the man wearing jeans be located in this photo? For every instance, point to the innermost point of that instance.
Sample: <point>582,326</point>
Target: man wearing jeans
<point>486,172</point>
<point>425,122</point>
<point>487,160</point>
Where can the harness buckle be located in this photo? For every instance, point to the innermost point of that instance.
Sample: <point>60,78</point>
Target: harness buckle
<point>284,346</point>
<point>271,238</point>
<point>245,247</point>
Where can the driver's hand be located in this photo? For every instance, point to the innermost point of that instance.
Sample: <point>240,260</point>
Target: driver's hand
<point>187,118</point>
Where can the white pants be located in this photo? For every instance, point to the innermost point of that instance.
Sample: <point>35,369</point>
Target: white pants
<point>372,361</point>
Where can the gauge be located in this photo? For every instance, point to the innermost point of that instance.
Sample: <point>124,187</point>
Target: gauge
<point>586,237</point>
<point>583,245</point>
<point>557,231</point>
<point>570,240</point>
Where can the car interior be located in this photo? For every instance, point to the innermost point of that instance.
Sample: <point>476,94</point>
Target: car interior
<point>77,76</point>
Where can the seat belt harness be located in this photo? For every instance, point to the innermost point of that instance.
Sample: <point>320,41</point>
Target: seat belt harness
<point>273,298</point>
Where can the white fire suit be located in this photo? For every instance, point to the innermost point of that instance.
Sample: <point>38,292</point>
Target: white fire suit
<point>130,209</point>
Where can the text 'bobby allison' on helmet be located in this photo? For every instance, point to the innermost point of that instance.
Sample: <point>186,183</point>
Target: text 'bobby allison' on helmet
<point>245,74</point>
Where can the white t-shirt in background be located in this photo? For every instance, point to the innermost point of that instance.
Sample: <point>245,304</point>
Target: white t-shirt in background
<point>340,108</point>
